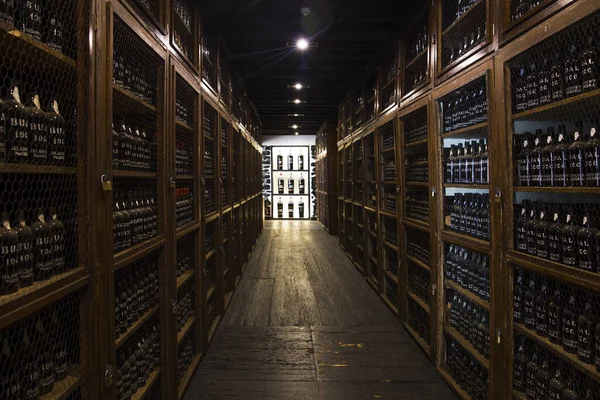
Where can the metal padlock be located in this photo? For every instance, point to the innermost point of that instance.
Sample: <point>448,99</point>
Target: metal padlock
<point>106,182</point>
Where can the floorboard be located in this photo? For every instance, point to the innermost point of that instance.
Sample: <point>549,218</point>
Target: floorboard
<point>303,324</point>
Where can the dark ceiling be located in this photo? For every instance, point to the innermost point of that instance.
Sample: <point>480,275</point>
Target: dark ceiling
<point>349,35</point>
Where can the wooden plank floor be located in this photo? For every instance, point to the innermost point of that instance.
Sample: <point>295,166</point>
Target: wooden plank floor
<point>303,324</point>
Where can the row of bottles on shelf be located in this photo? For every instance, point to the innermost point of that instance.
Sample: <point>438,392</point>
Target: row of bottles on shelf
<point>291,184</point>
<point>522,7</point>
<point>31,253</point>
<point>209,199</point>
<point>34,357</point>
<point>135,294</point>
<point>419,282</point>
<point>417,206</point>
<point>420,78</point>
<point>389,198</point>
<point>135,218</point>
<point>184,205</point>
<point>210,161</point>
<point>186,353</point>
<point>470,320</point>
<point>565,160</point>
<point>37,19</point>
<point>136,360</point>
<point>557,233</point>
<point>418,319</point>
<point>467,41</point>
<point>133,149</point>
<point>182,10</point>
<point>466,371</point>
<point>185,261</point>
<point>469,269</point>
<point>462,6</point>
<point>290,161</point>
<point>414,132</point>
<point>132,76</point>
<point>470,215</point>
<point>542,376</point>
<point>417,246</point>
<point>179,42</point>
<point>416,169</point>
<point>30,135</point>
<point>387,141</point>
<point>559,312</point>
<point>389,169</point>
<point>291,206</point>
<point>468,163</point>
<point>553,79</point>
<point>182,112</point>
<point>465,110</point>
<point>390,230</point>
<point>184,158</point>
<point>420,41</point>
<point>185,309</point>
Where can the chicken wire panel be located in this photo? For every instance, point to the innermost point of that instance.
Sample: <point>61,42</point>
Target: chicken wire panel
<point>39,231</point>
<point>387,93</point>
<point>150,9</point>
<point>370,97</point>
<point>186,116</point>
<point>416,164</point>
<point>184,202</point>
<point>471,376</point>
<point>417,245</point>
<point>209,59</point>
<point>390,260</point>
<point>415,126</point>
<point>136,291</point>
<point>556,339</point>
<point>464,27</point>
<point>210,159</point>
<point>186,255</point>
<point>349,230</point>
<point>416,204</point>
<point>419,282</point>
<point>41,354</point>
<point>138,358</point>
<point>210,275</point>
<point>184,27</point>
<point>391,291</point>
<point>470,320</point>
<point>467,213</point>
<point>185,308</point>
<point>416,56</point>
<point>236,166</point>
<point>522,8</point>
<point>358,171</point>
<point>185,354</point>
<point>468,269</point>
<point>348,173</point>
<point>418,320</point>
<point>135,212</point>
<point>389,229</point>
<point>225,164</point>
<point>370,175</point>
<point>358,108</point>
<point>211,236</point>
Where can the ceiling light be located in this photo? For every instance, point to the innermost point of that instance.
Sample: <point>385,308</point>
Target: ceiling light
<point>302,44</point>
<point>297,101</point>
<point>298,86</point>
<point>294,126</point>
<point>295,115</point>
<point>296,133</point>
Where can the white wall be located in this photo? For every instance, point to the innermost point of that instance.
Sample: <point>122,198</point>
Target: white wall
<point>288,140</point>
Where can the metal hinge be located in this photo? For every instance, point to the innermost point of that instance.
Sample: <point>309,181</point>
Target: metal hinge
<point>109,375</point>
<point>433,192</point>
<point>498,335</point>
<point>433,289</point>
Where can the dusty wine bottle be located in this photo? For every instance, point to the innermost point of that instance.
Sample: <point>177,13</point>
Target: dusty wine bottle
<point>25,251</point>
<point>14,116</point>
<point>9,257</point>
<point>38,131</point>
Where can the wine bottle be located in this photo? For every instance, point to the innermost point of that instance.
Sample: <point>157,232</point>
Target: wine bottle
<point>548,159</point>
<point>279,161</point>
<point>525,176</point>
<point>542,380</point>
<point>531,375</point>
<point>590,68</point>
<point>541,232</point>
<point>291,208</point>
<point>280,209</point>
<point>544,82</point>
<point>586,248</point>
<point>57,140</point>
<point>572,72</point>
<point>14,117</point>
<point>556,386</point>
<point>569,326</point>
<point>301,208</point>
<point>7,12</point>
<point>585,335</point>
<point>43,267</point>
<point>530,228</point>
<point>290,161</point>
<point>30,364</point>
<point>529,304</point>
<point>9,257</point>
<point>518,296</point>
<point>280,184</point>
<point>555,317</point>
<point>25,251</point>
<point>577,156</point>
<point>557,81</point>
<point>57,230</point>
<point>31,18</point>
<point>38,131</point>
<point>561,158</point>
<point>554,235</point>
<point>592,155</point>
<point>541,309</point>
<point>54,29</point>
<point>46,354</point>
<point>569,240</point>
<point>10,381</point>
<point>520,231</point>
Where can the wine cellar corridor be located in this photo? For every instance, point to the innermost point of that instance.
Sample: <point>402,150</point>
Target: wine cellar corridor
<point>299,199</point>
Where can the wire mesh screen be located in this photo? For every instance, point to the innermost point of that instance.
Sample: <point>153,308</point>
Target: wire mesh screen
<point>522,8</point>
<point>184,203</point>
<point>418,320</point>
<point>151,9</point>
<point>370,175</point>
<point>390,260</point>
<point>349,230</point>
<point>136,293</point>
<point>184,27</point>
<point>391,291</point>
<point>554,319</point>
<point>184,311</point>
<point>358,171</point>
<point>135,212</point>
<point>40,356</point>
<point>358,108</point>
<point>225,168</point>
<point>138,358</point>
<point>415,126</point>
<point>209,59</point>
<point>464,27</point>
<point>419,282</point>
<point>389,229</point>
<point>186,132</point>
<point>359,223</point>
<point>348,173</point>
<point>387,93</point>
<point>416,204</point>
<point>210,127</point>
<point>185,355</point>
<point>235,167</point>
<point>211,236</point>
<point>417,46</point>
<point>416,165</point>
<point>469,269</point>
<point>417,245</point>
<point>372,249</point>
<point>186,255</point>
<point>210,275</point>
<point>470,320</point>
<point>465,107</point>
<point>468,213</point>
<point>370,97</point>
<point>471,376</point>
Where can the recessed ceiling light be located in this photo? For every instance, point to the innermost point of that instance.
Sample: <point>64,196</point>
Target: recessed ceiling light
<point>295,115</point>
<point>298,86</point>
<point>297,101</point>
<point>302,44</point>
<point>296,133</point>
<point>294,126</point>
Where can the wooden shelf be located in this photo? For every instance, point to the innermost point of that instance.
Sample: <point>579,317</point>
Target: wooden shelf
<point>418,339</point>
<point>587,369</point>
<point>36,169</point>
<point>213,328</point>
<point>413,223</point>
<point>589,280</point>
<point>465,344</point>
<point>468,242</point>
<point>419,301</point>
<point>184,177</point>
<point>134,174</point>
<point>390,245</point>
<point>185,329</point>
<point>388,150</point>
<point>464,131</point>
<point>373,284</point>
<point>418,262</point>
<point>558,104</point>
<point>14,43</point>
<point>417,143</point>
<point>453,384</point>
<point>210,254</point>
<point>183,125</point>
<point>62,389</point>
<point>210,292</point>
<point>143,391</point>
<point>388,213</point>
<point>373,259</point>
<point>466,186</point>
<point>211,138</point>
<point>416,58</point>
<point>136,252</point>
<point>423,184</point>
<point>372,233</point>
<point>186,229</point>
<point>136,325</point>
<point>464,292</point>
<point>187,378</point>
<point>391,276</point>
<point>462,17</point>
<point>387,84</point>
<point>126,96</point>
<point>389,304</point>
<point>553,189</point>
<point>184,278</point>
<point>228,297</point>
<point>32,298</point>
